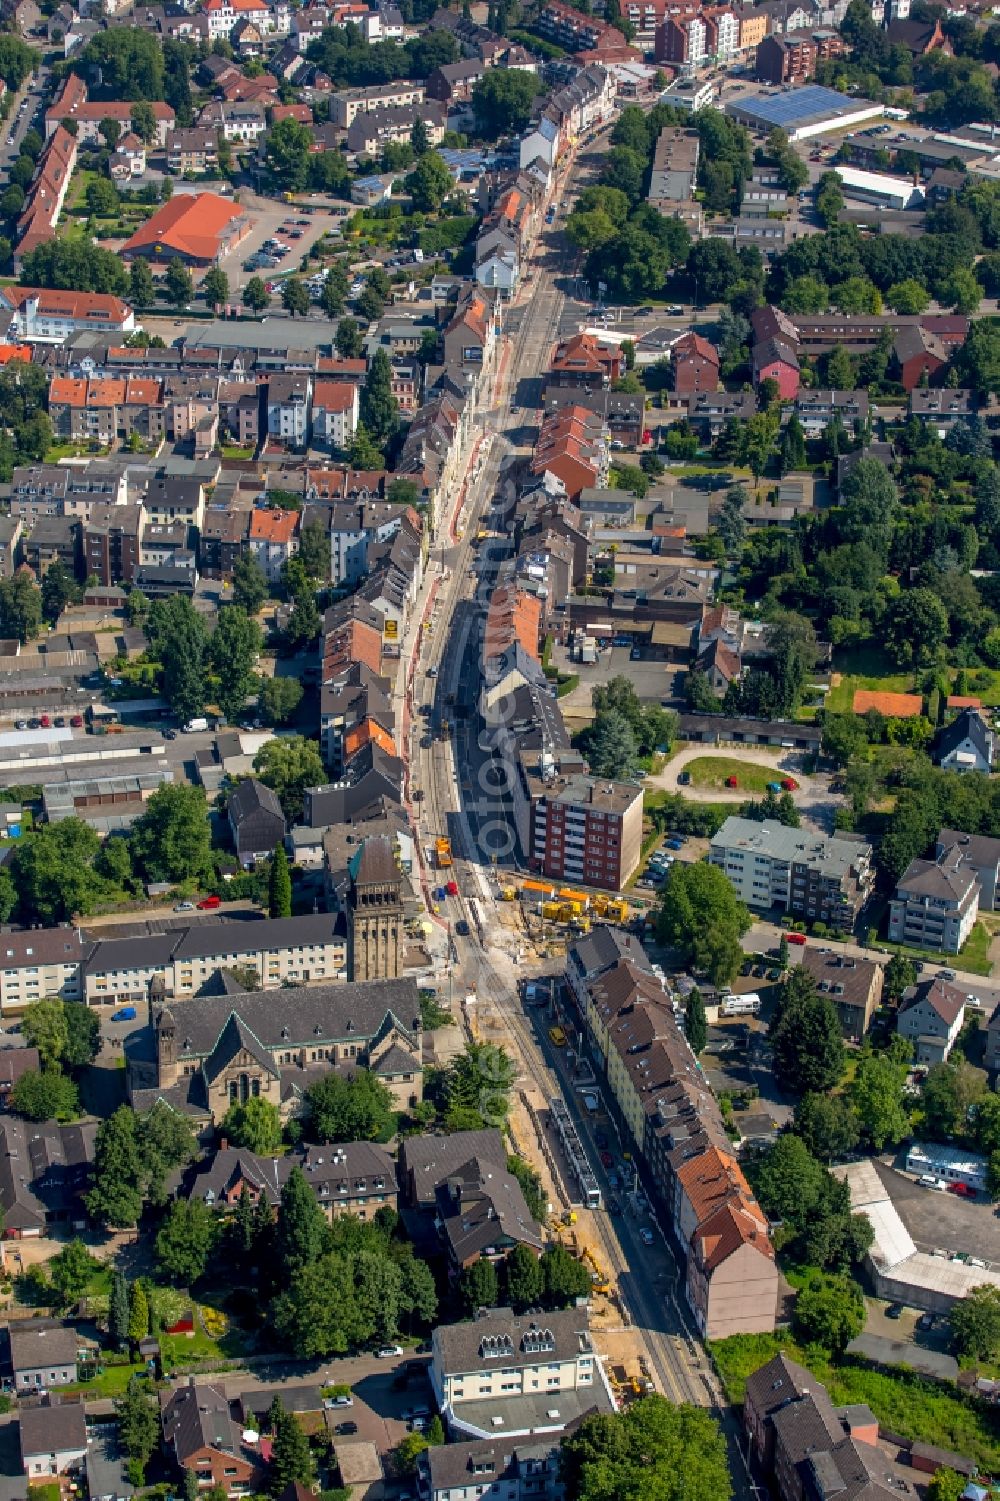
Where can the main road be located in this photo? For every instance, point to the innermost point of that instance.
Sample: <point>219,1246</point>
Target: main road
<point>457,773</point>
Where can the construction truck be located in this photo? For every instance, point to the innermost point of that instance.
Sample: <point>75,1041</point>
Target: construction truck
<point>613,909</point>
<point>508,893</point>
<point>442,849</point>
<point>597,1275</point>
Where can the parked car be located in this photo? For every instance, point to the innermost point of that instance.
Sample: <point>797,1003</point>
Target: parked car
<point>124,1014</point>
<point>557,1037</point>
<point>184,907</point>
<point>346,1428</point>
<point>614,1204</point>
<point>799,939</point>
<point>209,903</point>
<point>343,1400</point>
<point>607,1160</point>
<point>646,1236</point>
<point>76,720</point>
<point>462,928</point>
<point>963,1190</point>
<point>387,1352</point>
<point>601,1137</point>
<point>894,1311</point>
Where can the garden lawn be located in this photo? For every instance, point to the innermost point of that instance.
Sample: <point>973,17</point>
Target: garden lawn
<point>111,1382</point>
<point>974,957</point>
<point>904,1403</point>
<point>711,772</point>
<point>840,700</point>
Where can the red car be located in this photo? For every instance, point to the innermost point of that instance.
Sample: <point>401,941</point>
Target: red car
<point>607,1160</point>
<point>77,721</point>
<point>452,888</point>
<point>962,1189</point>
<point>797,938</point>
<point>45,722</point>
<point>789,784</point>
<point>732,781</point>
<point>209,903</point>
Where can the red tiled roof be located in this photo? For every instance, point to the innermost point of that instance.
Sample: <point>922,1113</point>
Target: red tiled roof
<point>333,396</point>
<point>66,390</point>
<point>274,525</point>
<point>193,225</point>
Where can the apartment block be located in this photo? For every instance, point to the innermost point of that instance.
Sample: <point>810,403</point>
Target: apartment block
<point>40,963</point>
<point>347,104</point>
<point>931,1017</point>
<point>531,1373</point>
<point>936,902</point>
<point>824,878</point>
<point>581,828</point>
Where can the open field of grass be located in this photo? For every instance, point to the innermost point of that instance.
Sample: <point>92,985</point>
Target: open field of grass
<point>710,773</point>
<point>904,1403</point>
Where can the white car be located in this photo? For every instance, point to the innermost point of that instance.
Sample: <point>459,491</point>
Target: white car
<point>388,1352</point>
<point>344,1400</point>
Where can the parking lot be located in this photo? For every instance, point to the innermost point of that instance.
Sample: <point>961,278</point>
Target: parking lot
<point>942,1221</point>
<point>268,219</point>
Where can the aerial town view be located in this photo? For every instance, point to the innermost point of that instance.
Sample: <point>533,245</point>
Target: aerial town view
<point>500,750</point>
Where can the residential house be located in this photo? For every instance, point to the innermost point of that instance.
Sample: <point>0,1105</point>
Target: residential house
<point>53,1439</point>
<point>583,362</point>
<point>452,83</point>
<point>919,355</point>
<point>966,744</point>
<point>481,1212</point>
<point>524,1470</point>
<point>289,405</point>
<point>13,1063</point>
<point>195,150</point>
<point>200,1433</point>
<point>346,104</point>
<point>46,1193</point>
<point>980,853</point>
<point>42,1357</point>
<point>351,1177</point>
<point>334,412</point>
<point>816,410</point>
<point>773,359</point>
<point>274,538</point>
<point>930,1017</point>
<point>936,902</point>
<point>694,365</point>
<point>853,987</point>
<point>256,821</point>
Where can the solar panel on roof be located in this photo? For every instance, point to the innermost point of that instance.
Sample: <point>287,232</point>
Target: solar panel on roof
<point>809,102</point>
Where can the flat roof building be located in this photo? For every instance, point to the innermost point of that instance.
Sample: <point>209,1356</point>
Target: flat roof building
<point>801,112</point>
<point>827,878</point>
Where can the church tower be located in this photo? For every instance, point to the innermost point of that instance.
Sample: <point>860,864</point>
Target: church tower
<point>374,912</point>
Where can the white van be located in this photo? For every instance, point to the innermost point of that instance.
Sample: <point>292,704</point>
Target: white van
<point>740,1005</point>
<point>193,726</point>
<point>928,1180</point>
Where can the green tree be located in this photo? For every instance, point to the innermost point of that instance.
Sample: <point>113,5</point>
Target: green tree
<point>102,199</point>
<point>429,183</point>
<point>288,766</point>
<point>564,1279</point>
<point>278,698</point>
<point>975,1324</point>
<point>479,1286</point>
<point>830,1312</point>
<point>115,1199</point>
<point>916,627</point>
<point>138,1425</point>
<point>142,290</point>
<point>70,1273</point>
<point>348,340</point>
<point>946,1485</point>
<point>379,409</point>
<point>53,871</point>
<point>407,1452</point>
<point>291,1457</point>
<point>522,1278</point>
<point>185,1240</point>
<point>45,1096</point>
<point>178,285</point>
<point>314,550</point>
<point>908,297</point>
<point>254,1124</point>
<point>215,287</point>
<point>827,1125</point>
<point>653,1449</point>
<point>59,589</point>
<point>900,974</point>
<point>295,297</point>
<point>172,840</point>
<point>301,1228</point>
<point>806,1039</point>
<point>876,1095</point>
<point>420,138</point>
<point>840,371</point>
<point>695,1024</point>
<point>180,640</point>
<point>700,916</point>
<point>255,295</point>
<point>235,648</point>
<point>950,1093</point>
<point>501,102</point>
<point>45,1027</point>
<point>340,1109</point>
<point>165,1141</point>
<point>287,149</point>
<point>249,584</point>
<point>118,1310</point>
<point>279,885</point>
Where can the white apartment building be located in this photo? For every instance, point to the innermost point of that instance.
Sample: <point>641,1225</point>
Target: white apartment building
<point>335,412</point>
<point>43,962</point>
<point>823,877</point>
<point>509,1374</point>
<point>936,902</point>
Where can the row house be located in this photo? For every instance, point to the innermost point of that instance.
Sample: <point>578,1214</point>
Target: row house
<point>583,104</point>
<point>676,1126</point>
<point>223,16</point>
<point>103,410</point>
<point>112,543</point>
<point>188,401</point>
<point>223,540</point>
<point>46,192</point>
<point>432,448</point>
<point>334,412</point>
<point>308,26</point>
<point>571,446</point>
<point>816,409</point>
<point>452,83</point>
<point>274,539</point>
<point>289,409</point>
